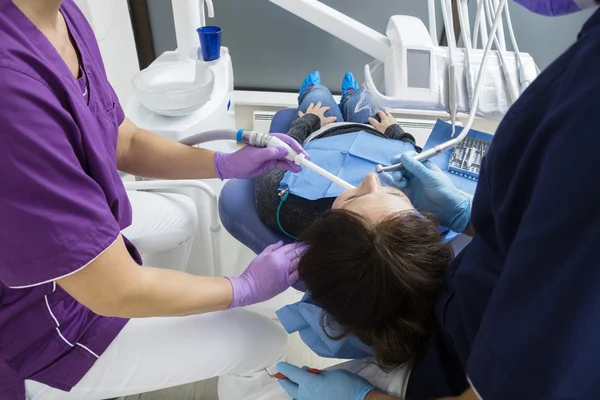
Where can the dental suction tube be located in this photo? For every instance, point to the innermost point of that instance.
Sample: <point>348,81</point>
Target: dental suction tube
<point>430,153</point>
<point>259,139</point>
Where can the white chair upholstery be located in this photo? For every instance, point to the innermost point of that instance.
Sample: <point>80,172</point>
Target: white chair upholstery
<point>163,228</point>
<point>165,222</point>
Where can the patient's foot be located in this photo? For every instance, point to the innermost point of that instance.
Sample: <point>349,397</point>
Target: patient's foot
<point>349,84</point>
<point>312,79</point>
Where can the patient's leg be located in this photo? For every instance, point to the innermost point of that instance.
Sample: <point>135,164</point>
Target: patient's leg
<point>319,93</point>
<point>358,106</point>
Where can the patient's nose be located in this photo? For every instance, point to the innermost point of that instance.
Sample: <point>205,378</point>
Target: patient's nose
<point>371,183</point>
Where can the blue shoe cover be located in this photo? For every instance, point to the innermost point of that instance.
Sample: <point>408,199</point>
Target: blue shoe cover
<point>314,78</point>
<point>349,83</point>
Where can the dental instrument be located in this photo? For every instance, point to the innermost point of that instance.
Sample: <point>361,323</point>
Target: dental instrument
<point>490,14</point>
<point>430,153</point>
<point>523,79</point>
<point>432,21</point>
<point>466,35</point>
<point>480,25</point>
<point>451,39</point>
<point>500,32</point>
<point>259,139</point>
<point>466,157</point>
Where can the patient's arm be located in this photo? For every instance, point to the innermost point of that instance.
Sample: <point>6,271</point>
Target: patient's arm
<point>304,127</point>
<point>388,125</point>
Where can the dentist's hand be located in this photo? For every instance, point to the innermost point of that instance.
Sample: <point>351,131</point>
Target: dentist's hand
<point>250,161</point>
<point>269,274</point>
<point>431,190</point>
<point>328,385</point>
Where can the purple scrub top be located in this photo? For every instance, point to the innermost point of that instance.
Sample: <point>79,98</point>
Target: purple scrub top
<point>62,202</point>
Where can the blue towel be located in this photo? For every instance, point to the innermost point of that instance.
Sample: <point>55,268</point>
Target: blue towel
<point>304,317</point>
<point>350,157</point>
<point>443,132</point>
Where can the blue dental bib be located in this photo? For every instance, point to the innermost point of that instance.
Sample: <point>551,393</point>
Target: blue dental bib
<point>349,156</point>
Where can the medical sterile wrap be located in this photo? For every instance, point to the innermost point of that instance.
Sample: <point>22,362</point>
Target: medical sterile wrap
<point>350,157</point>
<point>304,317</point>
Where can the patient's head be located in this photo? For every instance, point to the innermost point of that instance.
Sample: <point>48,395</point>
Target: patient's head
<point>372,200</point>
<point>376,275</point>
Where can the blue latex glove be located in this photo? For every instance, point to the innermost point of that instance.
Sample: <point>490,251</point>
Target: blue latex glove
<point>430,189</point>
<point>328,385</point>
<point>250,161</point>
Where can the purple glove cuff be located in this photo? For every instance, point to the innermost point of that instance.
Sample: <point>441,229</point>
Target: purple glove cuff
<point>218,158</point>
<point>241,296</point>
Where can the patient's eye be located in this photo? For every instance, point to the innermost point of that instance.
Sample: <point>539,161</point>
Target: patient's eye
<point>352,197</point>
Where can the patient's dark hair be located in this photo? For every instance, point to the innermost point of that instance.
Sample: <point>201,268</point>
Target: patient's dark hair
<point>378,281</point>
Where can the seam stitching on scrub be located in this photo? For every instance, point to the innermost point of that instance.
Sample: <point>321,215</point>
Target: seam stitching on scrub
<point>88,349</point>
<point>69,274</point>
<point>57,323</point>
<point>60,333</point>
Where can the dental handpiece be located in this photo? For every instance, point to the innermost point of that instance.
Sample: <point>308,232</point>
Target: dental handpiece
<point>421,157</point>
<point>259,139</point>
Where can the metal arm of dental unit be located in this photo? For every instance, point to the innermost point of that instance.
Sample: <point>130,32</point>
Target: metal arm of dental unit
<point>259,139</point>
<point>430,153</point>
<point>419,74</point>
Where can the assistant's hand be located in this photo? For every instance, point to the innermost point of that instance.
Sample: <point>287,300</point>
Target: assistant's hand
<point>269,274</point>
<point>387,120</point>
<point>319,111</point>
<point>431,190</point>
<point>328,385</point>
<point>250,161</point>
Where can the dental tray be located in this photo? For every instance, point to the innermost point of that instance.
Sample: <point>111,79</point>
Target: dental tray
<point>442,132</point>
<point>466,158</point>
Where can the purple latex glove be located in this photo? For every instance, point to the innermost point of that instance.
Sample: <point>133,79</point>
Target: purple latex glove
<point>250,161</point>
<point>272,272</point>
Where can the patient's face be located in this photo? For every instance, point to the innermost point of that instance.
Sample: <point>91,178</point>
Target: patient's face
<point>373,200</point>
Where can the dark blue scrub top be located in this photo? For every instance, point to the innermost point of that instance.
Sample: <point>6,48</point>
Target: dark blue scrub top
<point>520,313</point>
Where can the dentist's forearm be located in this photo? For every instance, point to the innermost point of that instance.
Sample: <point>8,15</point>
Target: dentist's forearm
<point>146,154</point>
<point>113,285</point>
<point>165,293</point>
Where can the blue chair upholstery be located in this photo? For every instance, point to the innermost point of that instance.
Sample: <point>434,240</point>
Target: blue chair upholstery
<point>237,207</point>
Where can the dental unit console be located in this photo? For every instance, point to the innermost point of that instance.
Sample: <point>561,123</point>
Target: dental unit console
<point>420,74</point>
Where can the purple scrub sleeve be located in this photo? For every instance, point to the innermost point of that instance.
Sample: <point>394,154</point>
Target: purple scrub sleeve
<point>58,215</point>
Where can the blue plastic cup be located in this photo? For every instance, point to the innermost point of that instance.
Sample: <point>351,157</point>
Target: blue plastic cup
<point>210,42</point>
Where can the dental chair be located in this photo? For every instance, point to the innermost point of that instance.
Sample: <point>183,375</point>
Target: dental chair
<point>165,221</point>
<point>236,202</point>
<point>238,211</point>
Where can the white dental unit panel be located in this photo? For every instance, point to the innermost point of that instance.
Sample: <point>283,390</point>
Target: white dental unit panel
<point>111,22</point>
